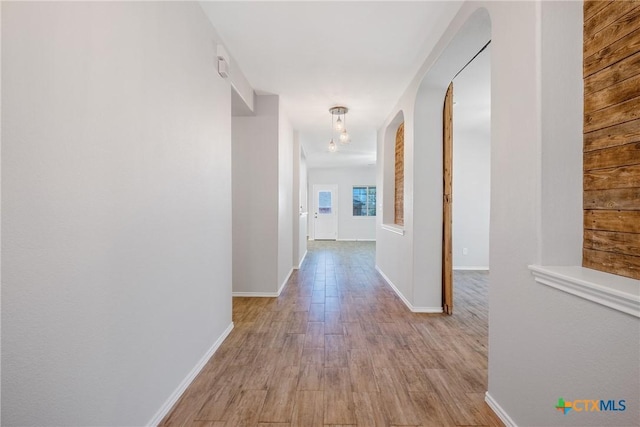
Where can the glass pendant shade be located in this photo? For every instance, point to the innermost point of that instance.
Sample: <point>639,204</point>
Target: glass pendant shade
<point>332,146</point>
<point>344,137</point>
<point>339,125</point>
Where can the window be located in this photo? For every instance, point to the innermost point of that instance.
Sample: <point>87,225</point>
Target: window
<point>324,202</point>
<point>364,201</point>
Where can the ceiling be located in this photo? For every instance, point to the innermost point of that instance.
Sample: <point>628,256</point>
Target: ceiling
<point>316,55</point>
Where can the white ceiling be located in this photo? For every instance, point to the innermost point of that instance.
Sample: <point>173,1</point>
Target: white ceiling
<point>319,54</point>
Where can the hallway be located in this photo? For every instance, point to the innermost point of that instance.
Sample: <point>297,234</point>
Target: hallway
<point>338,347</point>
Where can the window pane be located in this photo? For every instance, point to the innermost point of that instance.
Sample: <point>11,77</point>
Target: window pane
<point>324,202</point>
<point>364,201</point>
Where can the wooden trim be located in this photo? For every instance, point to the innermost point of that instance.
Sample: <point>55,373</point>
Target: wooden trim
<point>447,217</point>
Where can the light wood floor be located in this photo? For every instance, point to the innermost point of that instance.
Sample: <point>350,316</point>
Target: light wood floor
<point>338,347</point>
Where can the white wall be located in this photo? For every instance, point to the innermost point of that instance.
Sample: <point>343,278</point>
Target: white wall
<point>285,199</point>
<point>262,198</point>
<point>255,197</point>
<point>300,212</point>
<point>116,208</point>
<point>471,164</point>
<point>538,336</point>
<point>349,227</point>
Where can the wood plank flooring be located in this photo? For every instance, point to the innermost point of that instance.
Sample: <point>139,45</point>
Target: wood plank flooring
<point>339,348</point>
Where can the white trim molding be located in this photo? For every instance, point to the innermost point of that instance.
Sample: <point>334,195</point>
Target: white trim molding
<point>405,300</point>
<point>472,268</point>
<point>393,228</point>
<point>286,280</point>
<point>265,294</point>
<point>166,407</point>
<point>256,294</point>
<point>356,240</point>
<point>301,261</point>
<point>501,413</point>
<point>616,292</point>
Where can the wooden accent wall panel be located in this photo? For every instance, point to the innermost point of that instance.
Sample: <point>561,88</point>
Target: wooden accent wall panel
<point>447,202</point>
<point>611,159</point>
<point>399,176</point>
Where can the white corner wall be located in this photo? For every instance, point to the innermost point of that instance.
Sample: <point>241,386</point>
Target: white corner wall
<point>472,164</point>
<point>262,199</point>
<point>255,197</point>
<point>285,199</point>
<point>300,211</point>
<point>543,344</point>
<point>116,208</point>
<point>349,227</point>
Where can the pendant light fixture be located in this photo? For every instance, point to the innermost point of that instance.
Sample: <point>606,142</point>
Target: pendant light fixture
<point>340,126</point>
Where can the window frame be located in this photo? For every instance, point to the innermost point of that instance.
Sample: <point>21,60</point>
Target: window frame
<point>368,205</point>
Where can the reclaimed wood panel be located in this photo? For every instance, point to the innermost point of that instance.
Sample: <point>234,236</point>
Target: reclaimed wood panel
<point>613,53</point>
<point>591,7</point>
<point>622,155</point>
<point>613,115</point>
<point>618,221</point>
<point>607,15</point>
<point>612,95</point>
<point>613,74</point>
<point>608,241</point>
<point>612,136</point>
<point>617,177</point>
<point>399,177</point>
<point>623,265</point>
<point>613,199</point>
<point>617,30</point>
<point>447,218</point>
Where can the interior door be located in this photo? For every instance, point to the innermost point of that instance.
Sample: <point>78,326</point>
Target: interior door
<point>447,191</point>
<point>325,212</point>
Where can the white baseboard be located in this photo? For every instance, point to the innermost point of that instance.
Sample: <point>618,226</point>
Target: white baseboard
<point>356,240</point>
<point>472,268</point>
<point>166,407</point>
<point>255,294</point>
<point>405,300</point>
<point>264,294</point>
<point>495,407</point>
<point>301,261</point>
<point>286,279</point>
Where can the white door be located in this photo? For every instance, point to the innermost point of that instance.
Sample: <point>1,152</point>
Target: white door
<point>325,212</point>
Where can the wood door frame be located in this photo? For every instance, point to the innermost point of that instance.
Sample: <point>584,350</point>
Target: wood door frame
<point>447,201</point>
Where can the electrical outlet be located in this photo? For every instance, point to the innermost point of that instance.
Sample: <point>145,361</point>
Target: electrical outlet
<point>465,251</point>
